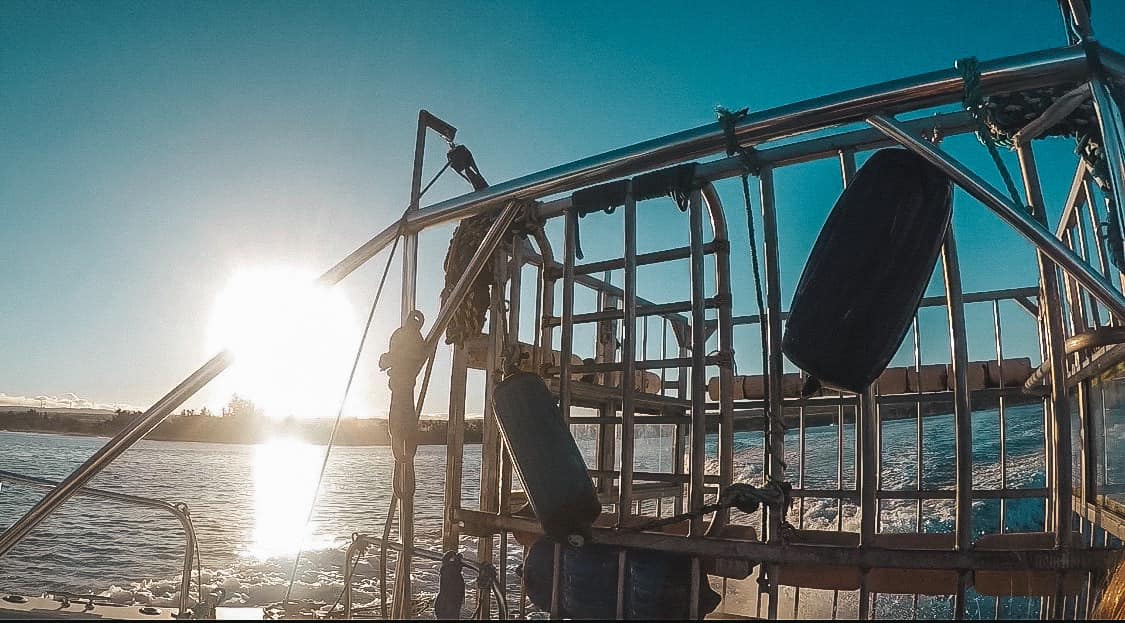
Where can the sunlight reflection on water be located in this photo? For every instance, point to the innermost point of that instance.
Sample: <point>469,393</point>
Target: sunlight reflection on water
<point>285,479</point>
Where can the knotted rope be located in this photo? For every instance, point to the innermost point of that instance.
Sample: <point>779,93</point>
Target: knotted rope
<point>729,120</point>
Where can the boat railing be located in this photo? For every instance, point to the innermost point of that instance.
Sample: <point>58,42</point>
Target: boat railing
<point>179,510</point>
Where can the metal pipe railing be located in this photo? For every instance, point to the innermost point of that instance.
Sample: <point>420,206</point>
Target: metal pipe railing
<point>1024,71</point>
<point>1014,215</point>
<point>179,510</point>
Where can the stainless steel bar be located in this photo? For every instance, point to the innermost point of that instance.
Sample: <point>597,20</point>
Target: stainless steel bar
<point>924,494</point>
<point>775,467</point>
<point>1099,241</point>
<point>865,423</point>
<point>643,259</point>
<point>454,447</point>
<point>628,360</point>
<point>410,238</point>
<point>178,510</point>
<point>917,432</point>
<point>1024,71</point>
<point>724,294</point>
<point>1024,224</point>
<point>606,351</point>
<point>515,300</point>
<point>546,303</point>
<point>113,448</point>
<point>596,284</point>
<point>1002,423</point>
<point>962,411</point>
<point>490,433</point>
<point>1045,559</point>
<point>1113,141</point>
<point>698,363</point>
<point>566,347</point>
<point>642,365</point>
<point>660,309</point>
<point>847,172</point>
<point>1060,405</point>
<point>812,149</point>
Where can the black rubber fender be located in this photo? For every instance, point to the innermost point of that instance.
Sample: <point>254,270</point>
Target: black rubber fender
<point>868,270</point>
<point>545,455</point>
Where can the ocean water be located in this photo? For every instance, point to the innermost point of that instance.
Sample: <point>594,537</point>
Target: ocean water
<point>249,505</point>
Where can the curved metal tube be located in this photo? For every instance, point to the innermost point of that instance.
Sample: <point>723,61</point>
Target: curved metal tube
<point>1094,338</point>
<point>180,511</point>
<point>361,542</point>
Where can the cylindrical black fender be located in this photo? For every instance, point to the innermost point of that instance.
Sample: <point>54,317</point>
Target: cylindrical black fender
<point>868,270</point>
<point>546,457</point>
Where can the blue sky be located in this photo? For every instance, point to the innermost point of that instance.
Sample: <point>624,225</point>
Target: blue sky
<point>151,149</point>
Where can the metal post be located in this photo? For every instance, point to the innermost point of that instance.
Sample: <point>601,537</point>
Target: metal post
<point>865,423</point>
<point>698,363</point>
<point>410,239</point>
<point>628,361</point>
<point>775,418</point>
<point>454,448</point>
<point>490,441</point>
<point>724,294</point>
<point>566,348</point>
<point>1002,424</point>
<point>1060,406</point>
<point>1113,141</point>
<point>962,411</point>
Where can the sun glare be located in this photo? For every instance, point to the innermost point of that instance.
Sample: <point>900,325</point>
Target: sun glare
<point>293,340</point>
<point>285,481</point>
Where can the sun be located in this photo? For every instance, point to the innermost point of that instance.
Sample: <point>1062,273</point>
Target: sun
<point>293,340</point>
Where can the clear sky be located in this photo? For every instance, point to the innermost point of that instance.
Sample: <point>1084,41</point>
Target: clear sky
<point>151,150</point>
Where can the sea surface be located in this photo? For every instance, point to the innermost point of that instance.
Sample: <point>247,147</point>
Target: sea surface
<point>249,504</point>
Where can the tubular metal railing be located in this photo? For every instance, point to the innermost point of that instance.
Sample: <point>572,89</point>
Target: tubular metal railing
<point>179,510</point>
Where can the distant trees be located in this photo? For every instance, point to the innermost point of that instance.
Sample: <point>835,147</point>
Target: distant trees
<point>240,407</point>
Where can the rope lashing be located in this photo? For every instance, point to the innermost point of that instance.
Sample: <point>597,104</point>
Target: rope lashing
<point>743,496</point>
<point>974,105</point>
<point>677,182</point>
<point>729,120</point>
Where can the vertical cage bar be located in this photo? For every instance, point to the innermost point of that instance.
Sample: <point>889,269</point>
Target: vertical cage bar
<point>917,339</point>
<point>698,385</point>
<point>454,447</point>
<point>1113,143</point>
<point>566,346</point>
<point>1060,407</point>
<point>629,359</point>
<point>490,433</point>
<point>698,363</point>
<point>775,418</point>
<point>512,348</point>
<point>725,326</point>
<point>962,410</point>
<point>1002,423</point>
<point>865,422</point>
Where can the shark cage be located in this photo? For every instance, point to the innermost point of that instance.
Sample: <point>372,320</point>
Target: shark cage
<point>628,470</point>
